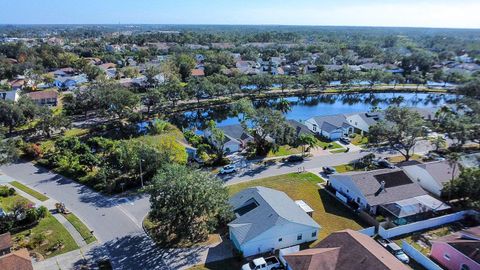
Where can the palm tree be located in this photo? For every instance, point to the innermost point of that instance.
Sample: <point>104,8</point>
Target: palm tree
<point>307,140</point>
<point>284,106</point>
<point>453,162</point>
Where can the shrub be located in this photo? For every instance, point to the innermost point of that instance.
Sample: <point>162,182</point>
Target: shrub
<point>5,191</point>
<point>42,211</point>
<point>32,151</point>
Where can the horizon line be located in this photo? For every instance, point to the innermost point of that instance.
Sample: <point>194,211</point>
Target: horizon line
<point>214,24</point>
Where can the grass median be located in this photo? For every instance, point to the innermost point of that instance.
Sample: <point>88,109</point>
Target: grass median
<point>39,196</point>
<point>81,228</point>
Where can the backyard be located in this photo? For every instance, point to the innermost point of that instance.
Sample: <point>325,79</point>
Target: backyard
<point>329,213</point>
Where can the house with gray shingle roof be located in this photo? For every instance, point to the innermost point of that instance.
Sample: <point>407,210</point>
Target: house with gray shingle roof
<point>433,176</point>
<point>387,192</point>
<point>332,127</point>
<point>268,220</point>
<point>236,138</point>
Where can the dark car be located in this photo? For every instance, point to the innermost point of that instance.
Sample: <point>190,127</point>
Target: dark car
<point>329,170</point>
<point>385,164</point>
<point>295,159</point>
<point>345,140</point>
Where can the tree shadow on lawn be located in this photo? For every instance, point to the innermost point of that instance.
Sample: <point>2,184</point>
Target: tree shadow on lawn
<point>138,251</point>
<point>333,206</point>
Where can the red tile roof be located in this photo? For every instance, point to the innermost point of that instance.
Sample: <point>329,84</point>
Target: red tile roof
<point>17,260</point>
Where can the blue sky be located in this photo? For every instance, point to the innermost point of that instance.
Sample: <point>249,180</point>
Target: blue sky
<point>425,13</point>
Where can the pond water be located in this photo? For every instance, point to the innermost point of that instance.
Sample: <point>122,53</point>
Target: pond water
<point>303,108</point>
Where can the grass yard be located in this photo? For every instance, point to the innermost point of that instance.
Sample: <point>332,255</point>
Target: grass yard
<point>29,191</point>
<point>334,145</point>
<point>338,151</point>
<point>359,140</point>
<point>329,213</point>
<point>54,233</point>
<point>344,168</point>
<point>81,228</point>
<point>397,159</point>
<point>76,132</point>
<point>285,150</point>
<point>8,203</point>
<point>228,264</point>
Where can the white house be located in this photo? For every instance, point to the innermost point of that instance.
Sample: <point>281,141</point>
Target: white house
<point>268,220</point>
<point>236,138</point>
<point>332,127</point>
<point>12,95</point>
<point>432,176</point>
<point>362,121</point>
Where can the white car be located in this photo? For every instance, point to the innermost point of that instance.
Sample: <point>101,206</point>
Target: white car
<point>395,249</point>
<point>228,169</point>
<point>270,263</point>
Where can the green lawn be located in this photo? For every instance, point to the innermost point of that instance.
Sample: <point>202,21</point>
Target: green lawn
<point>329,213</point>
<point>54,232</point>
<point>338,151</point>
<point>49,226</point>
<point>400,158</point>
<point>228,264</point>
<point>81,228</point>
<point>359,140</point>
<point>344,168</point>
<point>29,191</point>
<point>285,150</point>
<point>76,132</point>
<point>334,145</point>
<point>8,203</point>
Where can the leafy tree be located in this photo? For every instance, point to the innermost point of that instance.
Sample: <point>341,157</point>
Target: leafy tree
<point>119,101</point>
<point>374,77</point>
<point>49,122</point>
<point>153,99</point>
<point>11,115</point>
<point>401,130</point>
<point>465,188</point>
<point>187,204</point>
<point>8,151</point>
<point>438,142</point>
<point>185,64</point>
<point>471,89</point>
<point>217,136</point>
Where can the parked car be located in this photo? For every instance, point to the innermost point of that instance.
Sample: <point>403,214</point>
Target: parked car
<point>329,170</point>
<point>295,159</point>
<point>383,163</point>
<point>228,169</point>
<point>396,250</point>
<point>269,263</point>
<point>345,140</point>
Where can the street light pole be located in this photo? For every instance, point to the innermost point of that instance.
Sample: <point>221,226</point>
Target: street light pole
<point>141,172</point>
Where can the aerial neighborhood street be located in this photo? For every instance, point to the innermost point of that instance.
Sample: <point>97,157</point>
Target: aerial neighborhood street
<point>227,135</point>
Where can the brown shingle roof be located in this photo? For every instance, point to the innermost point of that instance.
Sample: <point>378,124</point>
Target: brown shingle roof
<point>5,241</point>
<point>345,250</point>
<point>17,260</point>
<point>43,94</point>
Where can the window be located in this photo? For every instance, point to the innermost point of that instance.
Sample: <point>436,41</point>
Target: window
<point>314,127</point>
<point>358,200</point>
<point>314,234</point>
<point>280,239</point>
<point>446,256</point>
<point>299,237</point>
<point>464,267</point>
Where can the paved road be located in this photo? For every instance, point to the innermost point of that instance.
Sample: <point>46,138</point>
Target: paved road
<point>118,230</point>
<point>117,221</point>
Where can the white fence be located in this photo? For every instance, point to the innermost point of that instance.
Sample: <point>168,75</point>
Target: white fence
<point>416,255</point>
<point>370,231</point>
<point>424,224</point>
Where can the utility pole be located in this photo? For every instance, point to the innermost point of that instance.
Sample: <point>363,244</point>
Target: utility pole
<point>141,172</point>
